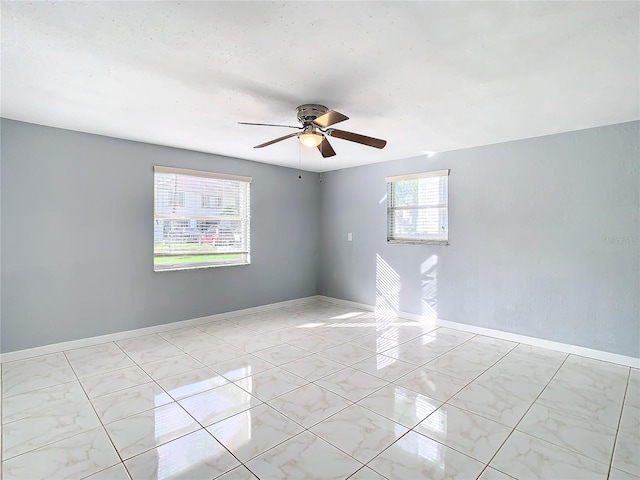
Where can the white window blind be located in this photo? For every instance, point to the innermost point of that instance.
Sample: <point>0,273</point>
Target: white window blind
<point>418,208</point>
<point>201,219</point>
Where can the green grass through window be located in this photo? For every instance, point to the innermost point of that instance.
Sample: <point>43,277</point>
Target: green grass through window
<point>186,259</point>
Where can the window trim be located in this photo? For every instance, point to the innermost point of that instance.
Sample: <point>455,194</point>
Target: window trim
<point>390,181</point>
<point>157,169</point>
<point>201,173</point>
<point>414,176</point>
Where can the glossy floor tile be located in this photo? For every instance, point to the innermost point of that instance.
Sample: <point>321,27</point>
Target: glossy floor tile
<point>218,403</point>
<point>382,366</point>
<point>254,431</point>
<point>303,457</point>
<point>400,404</point>
<point>35,373</point>
<point>524,456</point>
<point>117,472</point>
<point>104,384</point>
<point>271,383</point>
<point>310,404</point>
<point>466,432</point>
<point>591,439</point>
<point>351,384</point>
<point>98,359</point>
<point>626,456</point>
<point>241,367</point>
<point>74,457</point>
<point>194,456</point>
<point>47,427</point>
<point>144,431</point>
<point>313,367</point>
<point>416,456</point>
<point>361,433</point>
<point>39,402</point>
<point>130,401</point>
<point>318,391</point>
<point>189,383</point>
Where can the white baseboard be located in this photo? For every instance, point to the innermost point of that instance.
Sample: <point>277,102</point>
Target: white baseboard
<point>514,337</point>
<point>113,337</point>
<point>536,342</point>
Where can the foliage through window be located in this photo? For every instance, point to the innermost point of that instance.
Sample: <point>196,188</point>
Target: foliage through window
<point>191,232</point>
<point>418,208</point>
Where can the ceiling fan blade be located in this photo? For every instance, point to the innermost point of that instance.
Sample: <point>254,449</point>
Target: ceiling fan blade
<point>330,118</point>
<point>356,137</point>
<point>276,140</point>
<point>270,125</point>
<point>326,149</point>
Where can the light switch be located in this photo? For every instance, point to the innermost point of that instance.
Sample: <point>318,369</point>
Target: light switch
<point>349,237</point>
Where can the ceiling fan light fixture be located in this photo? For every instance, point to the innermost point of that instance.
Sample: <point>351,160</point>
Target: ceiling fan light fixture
<point>310,139</point>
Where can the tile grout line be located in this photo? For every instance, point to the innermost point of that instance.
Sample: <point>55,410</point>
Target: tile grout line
<point>66,437</point>
<point>98,416</point>
<point>310,353</point>
<point>446,402</point>
<point>203,427</point>
<point>578,417</point>
<point>525,413</point>
<point>308,429</point>
<point>77,379</point>
<point>152,380</point>
<point>615,440</point>
<point>412,429</point>
<point>392,383</point>
<point>469,383</point>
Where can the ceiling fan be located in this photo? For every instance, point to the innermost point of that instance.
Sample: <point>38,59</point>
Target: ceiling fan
<point>314,121</point>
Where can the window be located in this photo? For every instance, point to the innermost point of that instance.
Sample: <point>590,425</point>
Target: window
<point>418,208</point>
<point>194,233</point>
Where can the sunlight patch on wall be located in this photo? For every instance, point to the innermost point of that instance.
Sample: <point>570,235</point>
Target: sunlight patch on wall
<point>429,279</point>
<point>387,306</point>
<point>387,289</point>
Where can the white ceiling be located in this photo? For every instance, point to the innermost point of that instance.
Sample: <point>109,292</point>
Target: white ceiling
<point>425,76</point>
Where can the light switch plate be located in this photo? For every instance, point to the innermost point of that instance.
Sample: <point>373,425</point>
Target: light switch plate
<point>349,237</point>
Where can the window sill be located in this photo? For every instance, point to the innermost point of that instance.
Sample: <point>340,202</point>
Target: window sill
<point>420,242</point>
<point>198,267</point>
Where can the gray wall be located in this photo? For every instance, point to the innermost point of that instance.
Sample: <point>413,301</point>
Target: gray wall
<point>77,238</point>
<point>543,239</point>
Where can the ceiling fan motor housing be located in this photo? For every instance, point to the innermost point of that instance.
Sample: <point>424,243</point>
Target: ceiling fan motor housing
<point>309,112</point>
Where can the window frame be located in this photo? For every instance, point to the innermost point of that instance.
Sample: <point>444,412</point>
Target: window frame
<point>391,208</point>
<point>196,219</point>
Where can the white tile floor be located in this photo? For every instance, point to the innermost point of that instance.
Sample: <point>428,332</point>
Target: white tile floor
<point>318,391</point>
